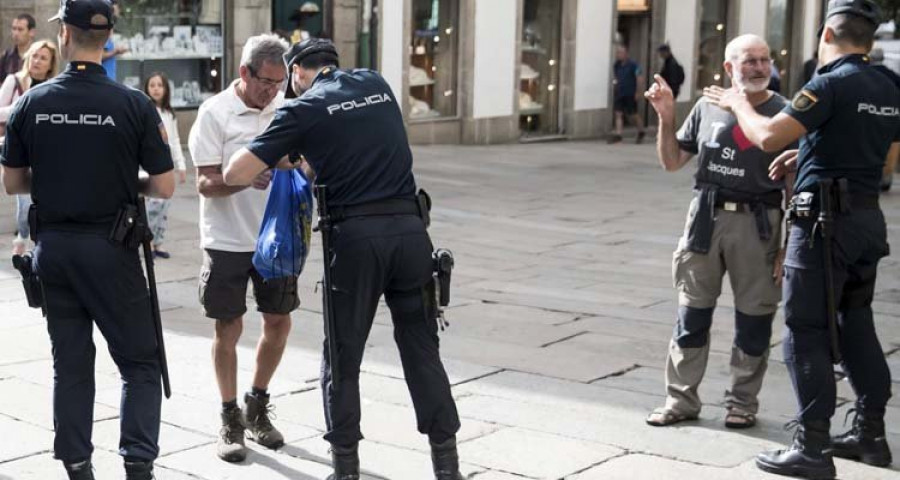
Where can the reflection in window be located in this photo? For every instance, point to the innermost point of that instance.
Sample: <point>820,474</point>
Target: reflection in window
<point>779,35</point>
<point>182,38</point>
<point>432,65</point>
<point>713,38</point>
<point>539,74</point>
<point>368,35</point>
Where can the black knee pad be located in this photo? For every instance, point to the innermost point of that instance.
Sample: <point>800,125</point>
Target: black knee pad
<point>692,327</point>
<point>752,333</point>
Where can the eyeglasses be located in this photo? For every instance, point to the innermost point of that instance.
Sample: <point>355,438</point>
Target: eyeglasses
<point>269,82</point>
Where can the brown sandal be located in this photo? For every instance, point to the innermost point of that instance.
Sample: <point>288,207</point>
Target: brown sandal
<point>663,417</point>
<point>738,419</point>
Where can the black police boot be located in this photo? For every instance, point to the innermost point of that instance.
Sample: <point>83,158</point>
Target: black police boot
<point>865,441</point>
<point>80,470</point>
<point>345,461</point>
<point>806,458</point>
<point>445,460</point>
<point>139,471</point>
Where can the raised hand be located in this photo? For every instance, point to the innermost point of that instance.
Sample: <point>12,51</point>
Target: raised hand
<point>726,99</point>
<point>661,98</point>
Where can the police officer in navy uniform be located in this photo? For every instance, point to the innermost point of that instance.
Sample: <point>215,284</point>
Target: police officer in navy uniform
<point>76,143</point>
<point>846,119</point>
<point>348,126</point>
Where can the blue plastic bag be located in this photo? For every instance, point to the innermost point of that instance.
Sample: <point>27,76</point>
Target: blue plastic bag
<point>284,236</point>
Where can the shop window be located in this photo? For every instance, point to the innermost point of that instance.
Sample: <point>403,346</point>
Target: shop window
<point>181,38</point>
<point>779,35</point>
<point>713,38</point>
<point>539,70</point>
<point>433,53</point>
<point>366,56</point>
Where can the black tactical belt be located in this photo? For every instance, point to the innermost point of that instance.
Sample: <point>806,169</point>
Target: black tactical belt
<point>393,206</point>
<point>74,227</point>
<point>743,207</point>
<point>856,201</point>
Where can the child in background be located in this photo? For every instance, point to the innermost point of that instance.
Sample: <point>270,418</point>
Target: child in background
<point>157,88</point>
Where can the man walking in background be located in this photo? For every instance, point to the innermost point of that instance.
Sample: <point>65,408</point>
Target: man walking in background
<point>627,86</point>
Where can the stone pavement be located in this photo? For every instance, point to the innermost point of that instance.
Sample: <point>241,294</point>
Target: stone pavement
<point>562,310</point>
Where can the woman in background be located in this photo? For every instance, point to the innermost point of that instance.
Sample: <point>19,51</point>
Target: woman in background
<point>41,63</point>
<point>157,88</point>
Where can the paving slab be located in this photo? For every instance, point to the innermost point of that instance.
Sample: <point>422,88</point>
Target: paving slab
<point>534,454</point>
<point>171,439</point>
<point>22,439</point>
<point>378,460</point>
<point>106,465</point>
<point>38,410</point>
<point>647,467</point>
<point>203,463</point>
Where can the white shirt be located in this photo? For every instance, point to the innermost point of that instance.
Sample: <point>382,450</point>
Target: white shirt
<point>225,124</point>
<point>8,96</point>
<point>171,125</point>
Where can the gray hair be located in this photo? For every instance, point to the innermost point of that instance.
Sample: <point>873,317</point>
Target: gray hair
<point>267,48</point>
<point>739,43</point>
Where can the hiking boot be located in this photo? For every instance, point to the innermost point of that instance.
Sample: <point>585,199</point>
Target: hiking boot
<point>807,456</point>
<point>230,446</point>
<point>139,471</point>
<point>345,461</point>
<point>865,441</point>
<point>445,460</point>
<point>80,470</point>
<point>257,411</point>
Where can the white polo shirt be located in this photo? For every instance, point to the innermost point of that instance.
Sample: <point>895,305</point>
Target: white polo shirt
<point>225,124</point>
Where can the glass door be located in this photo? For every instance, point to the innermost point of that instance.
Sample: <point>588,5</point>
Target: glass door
<point>539,72</point>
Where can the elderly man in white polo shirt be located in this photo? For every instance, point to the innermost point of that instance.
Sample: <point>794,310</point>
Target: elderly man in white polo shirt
<point>230,218</point>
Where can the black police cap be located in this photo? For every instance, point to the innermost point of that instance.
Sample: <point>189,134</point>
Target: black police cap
<point>299,51</point>
<point>861,8</point>
<point>81,12</point>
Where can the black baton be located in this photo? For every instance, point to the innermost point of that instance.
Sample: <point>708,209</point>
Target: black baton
<point>826,226</point>
<point>154,299</point>
<point>324,227</point>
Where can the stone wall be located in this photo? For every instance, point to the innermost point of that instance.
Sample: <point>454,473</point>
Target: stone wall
<point>41,10</point>
<point>346,18</point>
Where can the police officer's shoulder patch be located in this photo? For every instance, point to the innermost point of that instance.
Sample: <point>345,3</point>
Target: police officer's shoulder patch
<point>804,100</point>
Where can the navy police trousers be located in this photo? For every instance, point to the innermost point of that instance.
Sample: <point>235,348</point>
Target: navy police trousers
<point>89,280</point>
<point>860,241</point>
<point>389,255</point>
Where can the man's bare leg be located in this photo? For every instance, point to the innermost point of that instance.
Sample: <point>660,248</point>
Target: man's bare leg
<point>224,353</point>
<point>230,446</point>
<point>256,403</point>
<point>639,122</point>
<point>270,348</point>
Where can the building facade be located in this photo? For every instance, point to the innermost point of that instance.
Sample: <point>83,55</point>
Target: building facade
<point>465,71</point>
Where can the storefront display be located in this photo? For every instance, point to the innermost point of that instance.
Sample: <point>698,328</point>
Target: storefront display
<point>713,37</point>
<point>539,72</point>
<point>167,36</point>
<point>432,66</point>
<point>779,34</point>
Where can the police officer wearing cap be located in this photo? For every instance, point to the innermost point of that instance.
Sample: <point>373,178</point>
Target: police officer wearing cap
<point>846,119</point>
<point>76,143</point>
<point>348,126</point>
